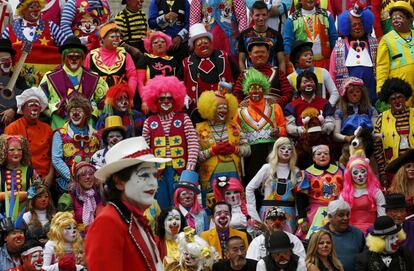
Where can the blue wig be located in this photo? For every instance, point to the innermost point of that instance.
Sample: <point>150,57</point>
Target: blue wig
<point>344,24</point>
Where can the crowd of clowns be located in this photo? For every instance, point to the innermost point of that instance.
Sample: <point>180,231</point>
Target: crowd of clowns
<point>235,135</point>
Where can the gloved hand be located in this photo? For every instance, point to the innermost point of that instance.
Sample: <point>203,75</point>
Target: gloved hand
<point>218,149</point>
<point>229,148</point>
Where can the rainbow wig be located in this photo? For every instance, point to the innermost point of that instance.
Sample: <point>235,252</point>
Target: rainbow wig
<point>254,77</point>
<point>162,84</point>
<point>195,209</point>
<point>158,34</point>
<point>233,184</point>
<point>372,183</point>
<point>208,101</point>
<point>117,90</point>
<point>344,24</point>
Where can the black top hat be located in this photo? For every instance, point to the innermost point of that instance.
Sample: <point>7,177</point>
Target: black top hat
<point>396,164</point>
<point>297,48</point>
<point>395,201</point>
<point>73,42</point>
<point>384,225</point>
<point>257,42</point>
<point>6,46</point>
<point>278,241</point>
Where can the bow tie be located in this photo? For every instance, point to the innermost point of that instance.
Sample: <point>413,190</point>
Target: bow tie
<point>361,44</point>
<point>29,24</point>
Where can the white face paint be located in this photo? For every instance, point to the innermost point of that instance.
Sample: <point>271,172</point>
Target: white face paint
<point>172,223</point>
<point>221,112</point>
<point>5,62</point>
<point>189,259</point>
<point>284,153</point>
<point>222,216</point>
<point>359,175</point>
<point>232,197</point>
<point>122,102</point>
<point>77,116</point>
<point>114,137</point>
<point>142,185</point>
<point>37,259</point>
<point>70,233</point>
<point>391,243</point>
<point>187,198</point>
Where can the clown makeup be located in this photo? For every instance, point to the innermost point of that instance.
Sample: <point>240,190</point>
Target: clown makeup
<point>86,177</point>
<point>112,40</point>
<point>203,47</point>
<point>256,93</point>
<point>36,260</point>
<point>222,216</point>
<point>186,198</point>
<point>282,258</point>
<point>307,86</point>
<point>324,246</point>
<point>321,156</point>
<point>305,60</point>
<point>15,240</point>
<point>259,55</point>
<point>142,185</point>
<point>70,233</point>
<point>284,153</point>
<point>32,12</point>
<point>41,202</point>
<point>14,154</point>
<point>31,110</point>
<point>409,170</point>
<point>165,103</point>
<point>354,94</point>
<point>232,197</point>
<point>172,223</point>
<point>122,102</point>
<point>359,175</point>
<point>275,224</point>
<point>73,60</point>
<point>5,62</point>
<point>114,137</point>
<point>400,22</point>
<point>357,29</point>
<point>77,116</point>
<point>397,102</point>
<point>159,47</point>
<point>221,112</point>
<point>392,243</point>
<point>308,4</point>
<point>189,259</point>
<point>88,25</point>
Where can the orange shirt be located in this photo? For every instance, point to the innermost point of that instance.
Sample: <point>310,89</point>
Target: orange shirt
<point>40,142</point>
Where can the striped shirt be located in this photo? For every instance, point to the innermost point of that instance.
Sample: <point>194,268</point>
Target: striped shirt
<point>133,25</point>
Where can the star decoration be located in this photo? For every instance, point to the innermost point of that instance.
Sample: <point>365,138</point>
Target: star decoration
<point>158,141</point>
<point>81,9</point>
<point>18,41</point>
<point>158,152</point>
<point>180,163</point>
<point>176,178</point>
<point>178,152</point>
<point>44,41</point>
<point>176,140</point>
<point>324,213</point>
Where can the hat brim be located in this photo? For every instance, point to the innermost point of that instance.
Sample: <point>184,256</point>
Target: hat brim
<point>192,39</point>
<point>73,46</point>
<point>8,50</point>
<point>296,49</point>
<point>394,8</point>
<point>195,189</point>
<point>107,130</point>
<point>388,233</point>
<point>403,159</point>
<point>394,206</point>
<point>277,250</point>
<point>104,172</point>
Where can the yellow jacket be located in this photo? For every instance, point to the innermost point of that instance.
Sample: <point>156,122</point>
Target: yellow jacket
<point>211,236</point>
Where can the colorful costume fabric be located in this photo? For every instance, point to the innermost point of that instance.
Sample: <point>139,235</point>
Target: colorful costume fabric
<point>201,220</point>
<point>212,238</point>
<point>133,27</point>
<point>384,7</point>
<point>355,119</point>
<point>52,10</point>
<point>132,120</point>
<point>364,212</point>
<point>6,15</point>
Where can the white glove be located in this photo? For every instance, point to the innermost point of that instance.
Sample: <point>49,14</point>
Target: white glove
<point>328,127</point>
<point>187,101</point>
<point>84,40</point>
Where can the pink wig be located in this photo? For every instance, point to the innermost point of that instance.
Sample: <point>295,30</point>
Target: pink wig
<point>117,90</point>
<point>163,84</point>
<point>372,183</point>
<point>234,184</point>
<point>196,207</point>
<point>148,41</point>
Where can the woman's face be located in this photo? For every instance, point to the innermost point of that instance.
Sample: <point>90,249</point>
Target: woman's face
<point>284,153</point>
<point>86,177</point>
<point>221,112</point>
<point>172,222</point>
<point>159,47</point>
<point>14,153</point>
<point>324,246</point>
<point>41,202</point>
<point>232,197</point>
<point>409,170</point>
<point>70,233</point>
<point>359,175</point>
<point>353,94</point>
<point>322,157</point>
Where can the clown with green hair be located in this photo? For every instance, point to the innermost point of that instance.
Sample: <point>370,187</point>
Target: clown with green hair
<point>262,122</point>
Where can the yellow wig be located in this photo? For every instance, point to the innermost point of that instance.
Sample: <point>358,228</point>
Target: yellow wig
<point>24,4</point>
<point>207,105</point>
<point>377,243</point>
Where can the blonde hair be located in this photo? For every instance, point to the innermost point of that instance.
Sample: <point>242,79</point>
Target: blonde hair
<point>207,105</point>
<point>59,222</point>
<point>400,182</point>
<point>312,254</point>
<point>273,160</point>
<point>377,243</point>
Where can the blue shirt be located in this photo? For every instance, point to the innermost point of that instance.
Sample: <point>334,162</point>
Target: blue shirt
<point>6,262</point>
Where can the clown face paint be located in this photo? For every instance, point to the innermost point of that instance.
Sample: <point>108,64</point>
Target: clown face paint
<point>73,60</point>
<point>187,198</point>
<point>77,116</point>
<point>400,22</point>
<point>307,86</point>
<point>114,137</point>
<point>359,175</point>
<point>165,103</point>
<point>172,223</point>
<point>32,12</point>
<point>41,202</point>
<point>5,63</point>
<point>31,110</point>
<point>86,177</point>
<point>354,94</point>
<point>221,112</point>
<point>34,261</point>
<point>142,185</point>
<point>397,102</point>
<point>122,102</point>
<point>284,153</point>
<point>357,28</point>
<point>159,47</point>
<point>282,258</point>
<point>88,25</point>
<point>15,240</point>
<point>189,259</point>
<point>203,47</point>
<point>305,60</point>
<point>14,154</point>
<point>70,233</point>
<point>392,243</point>
<point>222,216</point>
<point>322,157</point>
<point>112,40</point>
<point>232,197</point>
<point>256,93</point>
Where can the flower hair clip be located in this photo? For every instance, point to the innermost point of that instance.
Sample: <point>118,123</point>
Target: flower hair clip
<point>222,182</point>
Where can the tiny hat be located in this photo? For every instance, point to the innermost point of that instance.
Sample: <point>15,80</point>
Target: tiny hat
<point>402,5</point>
<point>197,31</point>
<point>77,166</point>
<point>188,179</point>
<point>278,241</point>
<point>350,81</point>
<point>405,158</point>
<point>37,188</point>
<point>297,47</point>
<point>384,225</point>
<point>126,153</point>
<point>276,212</point>
<point>106,28</point>
<point>30,246</point>
<point>358,7</point>
<point>73,42</point>
<point>395,201</point>
<point>113,123</point>
<point>257,41</point>
<point>6,46</point>
<point>31,93</point>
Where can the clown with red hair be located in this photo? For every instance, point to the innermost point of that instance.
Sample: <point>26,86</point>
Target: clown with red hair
<point>361,189</point>
<point>169,133</point>
<point>119,102</point>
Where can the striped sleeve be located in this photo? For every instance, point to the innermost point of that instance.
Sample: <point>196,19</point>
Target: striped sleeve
<point>68,14</point>
<point>192,143</point>
<point>58,35</point>
<point>378,148</point>
<point>5,34</point>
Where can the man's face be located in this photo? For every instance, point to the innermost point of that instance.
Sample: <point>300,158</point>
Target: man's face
<point>305,60</point>
<point>259,55</point>
<point>400,22</point>
<point>33,261</point>
<point>322,157</point>
<point>222,216</point>
<point>135,4</point>
<point>282,258</point>
<point>354,94</point>
<point>409,170</point>
<point>122,102</point>
<point>14,240</point>
<point>31,110</point>
<point>221,111</point>
<point>114,137</point>
<point>308,4</point>
<point>159,47</point>
<point>236,253</point>
<point>392,243</point>
<point>256,93</point>
<point>165,103</point>
<point>357,29</point>
<point>232,197</point>
<point>397,102</point>
<point>275,224</point>
<point>186,198</point>
<point>112,40</point>
<point>77,116</point>
<point>340,221</point>
<point>260,16</point>
<point>6,62</point>
<point>73,60</point>
<point>307,86</point>
<point>172,223</point>
<point>32,12</point>
<point>398,215</point>
<point>203,47</point>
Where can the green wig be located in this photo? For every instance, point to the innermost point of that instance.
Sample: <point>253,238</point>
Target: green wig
<point>254,77</point>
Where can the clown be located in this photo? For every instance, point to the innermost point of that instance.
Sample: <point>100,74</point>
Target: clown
<point>260,121</point>
<point>231,191</point>
<point>64,239</point>
<point>76,141</point>
<point>186,200</point>
<point>40,212</point>
<point>169,133</point>
<point>32,257</point>
<point>281,180</point>
<point>119,102</point>
<point>196,254</point>
<point>384,251</point>
<point>12,241</point>
<point>170,223</point>
<point>221,142</point>
<point>362,192</point>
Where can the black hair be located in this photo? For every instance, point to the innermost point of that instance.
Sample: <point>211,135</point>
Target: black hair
<point>300,51</point>
<point>236,237</point>
<point>221,203</point>
<point>308,75</point>
<point>259,5</point>
<point>405,12</point>
<point>106,132</point>
<point>394,85</point>
<point>160,230</point>
<point>111,192</point>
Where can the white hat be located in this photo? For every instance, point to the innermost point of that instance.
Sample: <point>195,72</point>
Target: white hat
<point>198,31</point>
<point>127,153</point>
<point>29,94</point>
